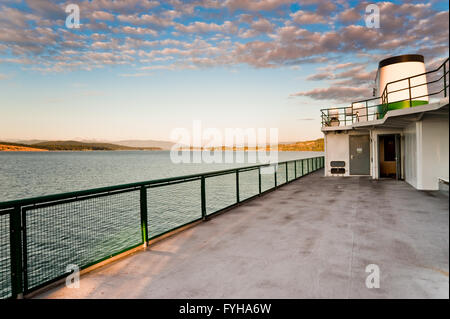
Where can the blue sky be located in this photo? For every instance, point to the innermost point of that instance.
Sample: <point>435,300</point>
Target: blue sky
<point>137,69</point>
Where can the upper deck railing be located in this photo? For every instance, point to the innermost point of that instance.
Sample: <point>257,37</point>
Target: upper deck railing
<point>41,236</point>
<point>437,82</point>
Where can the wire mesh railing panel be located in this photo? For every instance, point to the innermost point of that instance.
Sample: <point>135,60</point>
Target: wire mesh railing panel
<point>5,257</point>
<point>305,166</point>
<point>267,178</point>
<point>80,233</point>
<point>172,206</point>
<point>291,171</point>
<point>220,192</point>
<point>248,184</point>
<point>298,164</point>
<point>281,174</point>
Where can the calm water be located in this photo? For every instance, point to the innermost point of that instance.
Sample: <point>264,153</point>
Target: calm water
<point>82,232</point>
<point>29,174</point>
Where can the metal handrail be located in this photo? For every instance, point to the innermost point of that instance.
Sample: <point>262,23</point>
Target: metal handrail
<point>135,185</point>
<point>384,97</point>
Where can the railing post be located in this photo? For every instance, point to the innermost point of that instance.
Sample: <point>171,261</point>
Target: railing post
<point>287,179</point>
<point>24,252</point>
<point>203,196</point>
<point>259,179</point>
<point>15,237</point>
<point>409,89</point>
<point>367,111</point>
<point>386,106</point>
<point>445,81</point>
<point>237,186</point>
<point>275,167</point>
<point>144,225</point>
<point>302,164</point>
<point>295,169</point>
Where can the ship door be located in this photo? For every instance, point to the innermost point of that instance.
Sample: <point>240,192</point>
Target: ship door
<point>359,154</point>
<point>389,156</point>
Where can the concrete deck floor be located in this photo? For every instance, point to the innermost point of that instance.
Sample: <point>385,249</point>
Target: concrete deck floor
<point>312,238</point>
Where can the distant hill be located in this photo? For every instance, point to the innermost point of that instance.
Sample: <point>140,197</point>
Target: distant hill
<point>16,147</point>
<point>146,143</point>
<point>70,146</point>
<point>311,146</point>
<point>82,146</point>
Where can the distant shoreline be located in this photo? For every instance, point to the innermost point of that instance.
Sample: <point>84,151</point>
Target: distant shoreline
<point>13,148</point>
<point>98,151</point>
<point>76,146</point>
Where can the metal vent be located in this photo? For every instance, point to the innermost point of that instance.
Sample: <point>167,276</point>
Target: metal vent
<point>338,170</point>
<point>337,164</point>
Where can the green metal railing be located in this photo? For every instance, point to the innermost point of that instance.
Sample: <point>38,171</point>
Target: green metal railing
<point>41,236</point>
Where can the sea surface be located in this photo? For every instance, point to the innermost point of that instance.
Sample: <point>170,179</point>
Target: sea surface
<point>85,231</point>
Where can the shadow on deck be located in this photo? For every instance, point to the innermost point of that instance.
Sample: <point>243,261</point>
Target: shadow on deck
<point>312,238</point>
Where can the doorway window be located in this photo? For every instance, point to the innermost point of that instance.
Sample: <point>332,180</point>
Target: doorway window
<point>389,148</point>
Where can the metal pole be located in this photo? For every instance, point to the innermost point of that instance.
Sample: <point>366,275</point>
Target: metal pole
<point>275,174</point>
<point>144,226</point>
<point>237,186</point>
<point>286,171</point>
<point>203,196</point>
<point>24,252</point>
<point>295,169</point>
<point>367,111</point>
<point>259,179</point>
<point>15,225</point>
<point>409,88</point>
<point>445,81</point>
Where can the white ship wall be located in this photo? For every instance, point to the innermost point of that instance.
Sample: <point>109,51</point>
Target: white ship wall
<point>424,151</point>
<point>433,157</point>
<point>410,162</point>
<point>337,148</point>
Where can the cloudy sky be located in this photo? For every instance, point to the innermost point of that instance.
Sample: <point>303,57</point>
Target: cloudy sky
<point>140,68</point>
